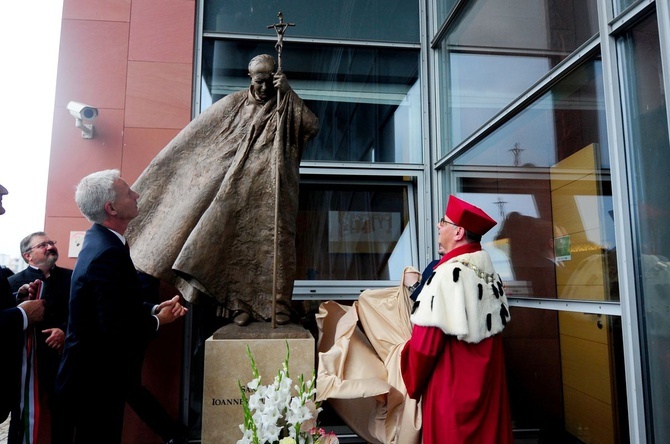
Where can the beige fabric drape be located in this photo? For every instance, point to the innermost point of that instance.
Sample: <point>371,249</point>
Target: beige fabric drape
<point>359,365</point>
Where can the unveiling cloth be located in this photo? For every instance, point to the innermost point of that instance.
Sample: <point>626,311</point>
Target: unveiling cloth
<point>359,365</point>
<point>454,361</point>
<point>207,203</point>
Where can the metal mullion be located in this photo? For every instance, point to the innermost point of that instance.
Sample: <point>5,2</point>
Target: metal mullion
<point>306,40</point>
<point>426,203</point>
<point>631,14</point>
<point>446,24</point>
<point>623,234</point>
<point>576,306</point>
<point>663,17</point>
<point>197,59</point>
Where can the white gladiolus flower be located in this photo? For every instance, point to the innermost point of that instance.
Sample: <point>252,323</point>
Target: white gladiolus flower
<point>280,412</point>
<point>253,384</point>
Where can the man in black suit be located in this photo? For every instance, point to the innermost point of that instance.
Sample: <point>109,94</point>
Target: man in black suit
<point>41,254</point>
<point>5,272</point>
<point>109,324</point>
<point>14,319</point>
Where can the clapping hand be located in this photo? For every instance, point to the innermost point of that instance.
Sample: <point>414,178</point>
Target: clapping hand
<point>170,310</point>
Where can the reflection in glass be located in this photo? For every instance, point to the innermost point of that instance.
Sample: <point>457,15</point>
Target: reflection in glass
<point>566,376</point>
<point>352,231</point>
<point>544,176</point>
<point>497,49</point>
<point>367,99</point>
<point>375,20</point>
<point>648,151</point>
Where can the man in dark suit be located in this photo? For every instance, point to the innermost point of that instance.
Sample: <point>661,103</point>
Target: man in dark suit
<point>14,319</point>
<point>5,272</point>
<point>41,254</point>
<point>109,324</point>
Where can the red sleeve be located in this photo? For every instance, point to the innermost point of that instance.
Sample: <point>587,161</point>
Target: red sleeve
<point>418,358</point>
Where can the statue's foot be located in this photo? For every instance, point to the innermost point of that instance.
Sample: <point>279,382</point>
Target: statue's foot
<point>242,318</point>
<point>282,319</point>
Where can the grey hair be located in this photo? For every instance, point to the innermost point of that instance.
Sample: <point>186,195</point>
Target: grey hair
<point>94,191</point>
<point>24,245</point>
<point>262,59</point>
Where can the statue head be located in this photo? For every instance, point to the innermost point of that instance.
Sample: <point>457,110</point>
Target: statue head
<point>262,70</point>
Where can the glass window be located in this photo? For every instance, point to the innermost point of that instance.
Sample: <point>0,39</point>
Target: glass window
<point>367,99</point>
<point>565,377</point>
<point>621,5</point>
<point>648,151</point>
<point>498,49</point>
<point>374,20</point>
<point>544,176</point>
<point>444,8</point>
<point>353,231</point>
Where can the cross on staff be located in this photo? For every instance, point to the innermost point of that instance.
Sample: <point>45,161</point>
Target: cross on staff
<point>280,29</point>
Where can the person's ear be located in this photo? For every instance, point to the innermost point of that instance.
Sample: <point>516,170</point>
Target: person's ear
<point>109,208</point>
<point>460,233</point>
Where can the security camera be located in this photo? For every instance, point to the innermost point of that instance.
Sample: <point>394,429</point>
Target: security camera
<point>83,112</point>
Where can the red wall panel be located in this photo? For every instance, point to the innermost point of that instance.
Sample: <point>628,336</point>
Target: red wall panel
<point>133,60</point>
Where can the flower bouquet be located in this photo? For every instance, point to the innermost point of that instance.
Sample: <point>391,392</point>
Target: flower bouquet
<point>280,413</point>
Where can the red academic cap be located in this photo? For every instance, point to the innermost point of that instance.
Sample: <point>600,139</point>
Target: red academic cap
<point>468,216</point>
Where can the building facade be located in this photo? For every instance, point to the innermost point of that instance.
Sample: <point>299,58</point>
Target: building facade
<point>550,115</point>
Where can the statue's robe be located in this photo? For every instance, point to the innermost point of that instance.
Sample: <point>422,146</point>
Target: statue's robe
<point>207,203</point>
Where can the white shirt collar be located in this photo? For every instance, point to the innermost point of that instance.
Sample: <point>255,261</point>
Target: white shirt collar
<point>120,236</point>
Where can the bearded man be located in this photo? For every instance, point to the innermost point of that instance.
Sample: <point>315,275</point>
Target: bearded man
<point>41,254</point>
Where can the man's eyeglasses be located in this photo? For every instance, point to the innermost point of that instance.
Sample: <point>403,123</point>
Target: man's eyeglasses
<point>42,245</point>
<point>443,221</point>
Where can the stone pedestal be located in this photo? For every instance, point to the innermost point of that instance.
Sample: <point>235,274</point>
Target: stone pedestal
<point>226,363</point>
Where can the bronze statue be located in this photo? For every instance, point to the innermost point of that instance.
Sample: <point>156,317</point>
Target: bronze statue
<point>218,204</point>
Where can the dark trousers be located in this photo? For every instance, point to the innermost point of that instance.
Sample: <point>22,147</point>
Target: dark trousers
<point>100,420</point>
<point>152,413</point>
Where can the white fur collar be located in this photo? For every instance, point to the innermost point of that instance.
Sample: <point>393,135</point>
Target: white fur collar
<point>464,297</point>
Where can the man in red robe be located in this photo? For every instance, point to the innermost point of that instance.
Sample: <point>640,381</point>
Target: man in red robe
<point>454,360</point>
